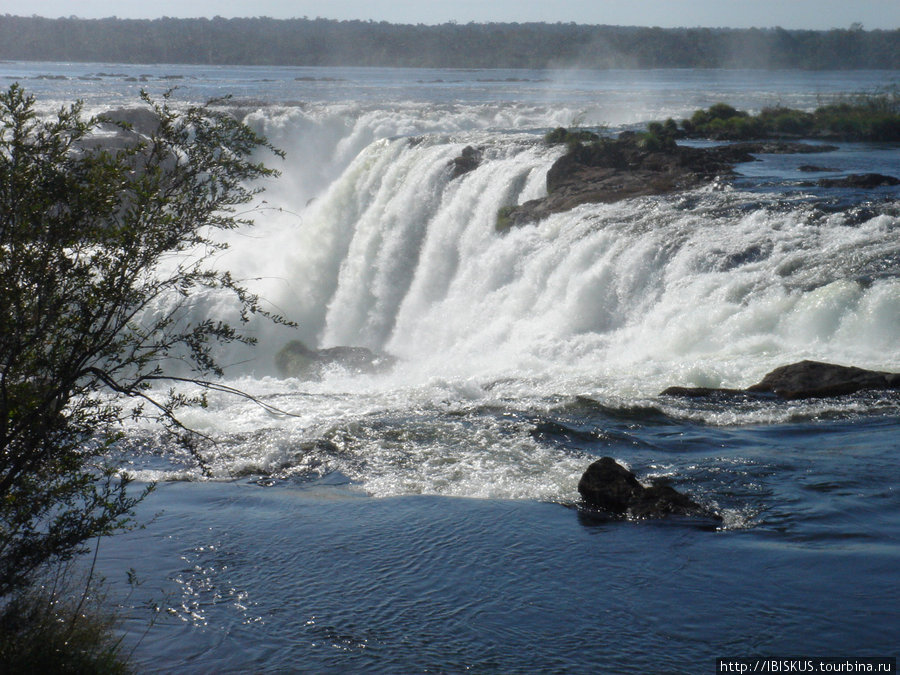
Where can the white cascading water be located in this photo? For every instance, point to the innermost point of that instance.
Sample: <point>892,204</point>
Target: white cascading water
<point>611,301</point>
<point>701,289</point>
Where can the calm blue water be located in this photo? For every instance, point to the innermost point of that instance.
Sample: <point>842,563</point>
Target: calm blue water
<point>425,519</point>
<point>310,576</point>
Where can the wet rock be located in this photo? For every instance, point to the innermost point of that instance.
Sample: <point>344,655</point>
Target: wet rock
<point>608,485</point>
<point>865,181</point>
<point>815,379</point>
<point>634,165</point>
<point>611,170</point>
<point>781,147</point>
<point>700,392</point>
<point>468,161</point>
<point>295,359</point>
<point>813,168</point>
<point>806,379</point>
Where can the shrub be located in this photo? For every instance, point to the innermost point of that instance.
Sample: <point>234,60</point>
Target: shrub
<point>723,111</point>
<point>84,234</point>
<point>57,628</point>
<point>655,142</point>
<point>885,128</point>
<point>656,129</point>
<point>874,117</point>
<point>670,128</point>
<point>561,135</point>
<point>781,120</point>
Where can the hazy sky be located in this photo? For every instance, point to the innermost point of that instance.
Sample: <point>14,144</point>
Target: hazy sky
<point>815,14</point>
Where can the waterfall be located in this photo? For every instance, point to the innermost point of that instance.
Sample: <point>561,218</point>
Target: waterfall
<point>711,287</point>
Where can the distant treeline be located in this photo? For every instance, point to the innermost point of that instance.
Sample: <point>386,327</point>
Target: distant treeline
<point>324,42</point>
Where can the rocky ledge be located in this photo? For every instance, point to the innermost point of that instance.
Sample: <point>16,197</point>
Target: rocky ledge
<point>806,379</point>
<point>609,170</point>
<point>610,487</point>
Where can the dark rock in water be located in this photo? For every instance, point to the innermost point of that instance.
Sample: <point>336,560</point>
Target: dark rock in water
<point>806,379</point>
<point>610,486</point>
<point>814,379</point>
<point>864,181</point>
<point>295,359</point>
<point>781,147</point>
<point>466,162</point>
<point>700,392</point>
<point>610,170</point>
<point>634,165</point>
<point>619,169</point>
<point>812,168</point>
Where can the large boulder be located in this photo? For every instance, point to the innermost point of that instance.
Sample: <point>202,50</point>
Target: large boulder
<point>815,379</point>
<point>609,486</point>
<point>805,379</point>
<point>295,359</point>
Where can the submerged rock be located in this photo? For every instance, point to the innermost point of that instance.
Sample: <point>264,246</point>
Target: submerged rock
<point>295,359</point>
<point>701,392</point>
<point>608,485</point>
<point>782,147</point>
<point>812,168</point>
<point>805,379</point>
<point>865,181</point>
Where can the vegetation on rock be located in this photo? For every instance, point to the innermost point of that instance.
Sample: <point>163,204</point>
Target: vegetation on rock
<point>602,168</point>
<point>874,117</point>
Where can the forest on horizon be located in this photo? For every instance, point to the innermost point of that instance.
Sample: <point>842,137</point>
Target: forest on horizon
<point>326,42</point>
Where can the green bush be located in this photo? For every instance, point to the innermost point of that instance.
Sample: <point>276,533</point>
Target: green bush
<point>723,111</point>
<point>780,120</point>
<point>656,129</point>
<point>85,232</point>
<point>670,128</point>
<point>874,117</point>
<point>561,135</point>
<point>655,142</point>
<point>718,111</point>
<point>58,628</point>
<point>885,128</point>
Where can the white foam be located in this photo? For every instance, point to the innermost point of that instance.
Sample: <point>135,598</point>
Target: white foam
<point>612,301</point>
